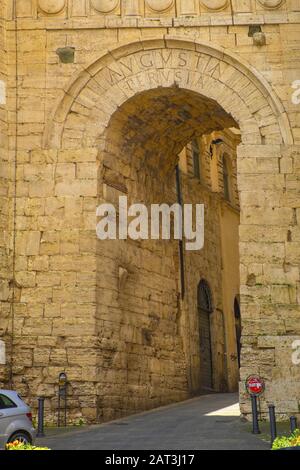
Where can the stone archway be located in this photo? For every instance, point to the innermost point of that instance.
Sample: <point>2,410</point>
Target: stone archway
<point>97,92</point>
<point>85,113</point>
<point>140,151</point>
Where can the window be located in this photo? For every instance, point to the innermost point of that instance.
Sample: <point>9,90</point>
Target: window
<point>238,328</point>
<point>226,178</point>
<point>205,297</point>
<point>6,402</point>
<point>196,159</point>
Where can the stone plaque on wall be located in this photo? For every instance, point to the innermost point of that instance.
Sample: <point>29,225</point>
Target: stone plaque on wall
<point>51,7</point>
<point>104,6</point>
<point>214,4</point>
<point>270,3</point>
<point>159,5</point>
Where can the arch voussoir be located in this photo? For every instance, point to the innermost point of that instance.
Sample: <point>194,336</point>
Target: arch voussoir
<point>164,62</point>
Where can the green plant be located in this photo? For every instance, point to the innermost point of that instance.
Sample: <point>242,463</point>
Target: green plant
<point>17,445</point>
<point>283,442</point>
<point>80,422</point>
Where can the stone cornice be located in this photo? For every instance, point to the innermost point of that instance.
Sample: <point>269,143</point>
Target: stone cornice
<point>112,22</point>
<point>89,14</point>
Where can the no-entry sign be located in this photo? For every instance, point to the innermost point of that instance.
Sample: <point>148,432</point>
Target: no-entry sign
<point>255,385</point>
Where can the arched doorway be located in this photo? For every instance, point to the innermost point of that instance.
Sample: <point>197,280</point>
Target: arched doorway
<point>205,309</point>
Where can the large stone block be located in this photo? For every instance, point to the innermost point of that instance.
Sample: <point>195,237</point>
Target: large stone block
<point>28,243</point>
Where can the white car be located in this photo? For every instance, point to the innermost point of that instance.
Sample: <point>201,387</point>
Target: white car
<point>15,419</point>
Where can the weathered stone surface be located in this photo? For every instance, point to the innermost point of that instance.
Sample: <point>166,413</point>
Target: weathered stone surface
<point>106,125</point>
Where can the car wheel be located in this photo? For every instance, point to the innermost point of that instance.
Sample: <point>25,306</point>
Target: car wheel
<point>21,437</point>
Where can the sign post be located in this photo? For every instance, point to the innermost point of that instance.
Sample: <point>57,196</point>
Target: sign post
<point>255,386</point>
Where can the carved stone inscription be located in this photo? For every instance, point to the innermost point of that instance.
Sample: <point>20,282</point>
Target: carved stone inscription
<point>174,66</point>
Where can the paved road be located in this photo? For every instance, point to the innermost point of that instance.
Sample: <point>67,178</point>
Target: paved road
<point>203,423</point>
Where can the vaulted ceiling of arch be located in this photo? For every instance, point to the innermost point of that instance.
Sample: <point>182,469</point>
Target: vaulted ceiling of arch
<point>155,125</point>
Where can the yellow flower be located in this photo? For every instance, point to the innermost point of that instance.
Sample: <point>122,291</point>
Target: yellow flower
<point>296,441</point>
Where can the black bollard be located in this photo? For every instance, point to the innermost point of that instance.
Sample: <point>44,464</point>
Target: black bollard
<point>293,421</point>
<point>273,428</point>
<point>40,430</point>
<point>255,426</point>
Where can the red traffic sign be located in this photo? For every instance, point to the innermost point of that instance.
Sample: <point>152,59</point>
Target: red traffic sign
<point>255,385</point>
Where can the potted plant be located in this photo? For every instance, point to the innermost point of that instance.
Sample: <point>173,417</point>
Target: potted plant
<point>17,445</point>
<point>291,442</point>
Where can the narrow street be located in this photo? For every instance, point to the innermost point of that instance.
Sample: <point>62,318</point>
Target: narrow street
<point>204,423</point>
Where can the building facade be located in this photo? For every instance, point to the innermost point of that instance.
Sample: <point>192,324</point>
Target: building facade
<point>105,98</point>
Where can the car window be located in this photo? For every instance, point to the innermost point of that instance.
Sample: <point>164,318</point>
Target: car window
<point>6,402</point>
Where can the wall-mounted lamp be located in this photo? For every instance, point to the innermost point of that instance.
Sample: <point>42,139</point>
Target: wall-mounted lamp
<point>62,379</point>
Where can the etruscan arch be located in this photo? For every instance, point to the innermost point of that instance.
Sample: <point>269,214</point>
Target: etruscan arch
<point>200,89</point>
<point>90,100</point>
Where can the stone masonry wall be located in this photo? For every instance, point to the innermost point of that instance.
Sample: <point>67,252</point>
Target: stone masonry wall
<point>4,200</point>
<point>269,244</point>
<point>60,300</point>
